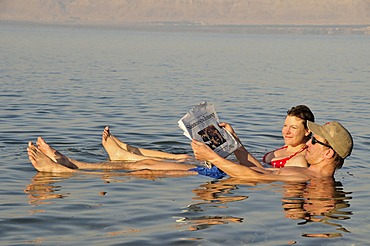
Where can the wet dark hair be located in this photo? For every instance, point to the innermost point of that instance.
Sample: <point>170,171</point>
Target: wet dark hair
<point>303,112</point>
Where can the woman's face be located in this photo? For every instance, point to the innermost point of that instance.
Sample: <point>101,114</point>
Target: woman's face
<point>293,131</point>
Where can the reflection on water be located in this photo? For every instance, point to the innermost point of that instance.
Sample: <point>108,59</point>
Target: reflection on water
<point>205,222</point>
<point>319,201</point>
<point>216,193</point>
<point>42,189</point>
<point>213,194</point>
<point>66,84</point>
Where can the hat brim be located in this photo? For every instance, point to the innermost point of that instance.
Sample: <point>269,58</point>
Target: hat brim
<point>317,129</point>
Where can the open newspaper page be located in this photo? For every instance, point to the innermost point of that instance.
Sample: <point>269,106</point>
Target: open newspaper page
<point>201,123</point>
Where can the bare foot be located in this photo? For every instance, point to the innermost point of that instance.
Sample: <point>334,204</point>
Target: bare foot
<point>54,154</point>
<point>107,133</point>
<point>112,148</point>
<point>47,149</point>
<point>124,146</point>
<point>43,163</point>
<point>116,153</point>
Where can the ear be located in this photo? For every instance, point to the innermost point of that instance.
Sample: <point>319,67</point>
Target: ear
<point>307,133</point>
<point>329,153</point>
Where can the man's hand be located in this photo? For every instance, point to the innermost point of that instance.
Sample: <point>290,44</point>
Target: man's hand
<point>201,151</point>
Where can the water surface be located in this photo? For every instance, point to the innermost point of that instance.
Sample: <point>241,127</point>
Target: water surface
<point>67,83</point>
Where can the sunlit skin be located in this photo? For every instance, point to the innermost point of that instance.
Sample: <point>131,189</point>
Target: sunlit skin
<point>120,151</point>
<point>295,137</point>
<point>46,159</point>
<point>320,157</point>
<point>294,132</point>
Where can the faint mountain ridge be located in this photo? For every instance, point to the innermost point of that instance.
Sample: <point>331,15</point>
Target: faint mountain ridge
<point>204,12</point>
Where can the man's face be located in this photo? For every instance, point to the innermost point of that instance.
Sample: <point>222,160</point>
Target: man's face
<point>315,152</point>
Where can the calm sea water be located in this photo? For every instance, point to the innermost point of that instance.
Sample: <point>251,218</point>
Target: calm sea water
<point>67,83</point>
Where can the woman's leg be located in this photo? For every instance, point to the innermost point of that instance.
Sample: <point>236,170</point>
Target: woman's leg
<point>141,151</point>
<point>116,153</point>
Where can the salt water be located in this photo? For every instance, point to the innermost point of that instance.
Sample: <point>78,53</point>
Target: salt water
<point>66,83</point>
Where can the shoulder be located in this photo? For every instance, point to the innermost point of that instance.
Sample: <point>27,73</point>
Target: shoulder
<point>276,153</point>
<point>297,161</point>
<point>281,152</point>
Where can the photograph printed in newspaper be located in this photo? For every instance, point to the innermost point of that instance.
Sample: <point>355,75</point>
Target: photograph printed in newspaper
<point>202,123</point>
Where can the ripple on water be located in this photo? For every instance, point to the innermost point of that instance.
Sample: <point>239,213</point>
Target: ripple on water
<point>66,84</point>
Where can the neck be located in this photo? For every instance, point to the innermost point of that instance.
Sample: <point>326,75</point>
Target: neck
<point>323,170</point>
<point>296,148</point>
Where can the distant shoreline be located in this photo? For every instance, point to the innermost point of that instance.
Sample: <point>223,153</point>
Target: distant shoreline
<point>229,29</point>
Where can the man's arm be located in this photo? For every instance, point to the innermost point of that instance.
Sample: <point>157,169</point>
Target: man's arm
<point>204,153</point>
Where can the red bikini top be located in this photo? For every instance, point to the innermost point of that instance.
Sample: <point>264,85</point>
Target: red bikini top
<point>281,162</point>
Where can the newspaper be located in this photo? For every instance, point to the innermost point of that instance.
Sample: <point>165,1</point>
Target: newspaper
<point>202,123</point>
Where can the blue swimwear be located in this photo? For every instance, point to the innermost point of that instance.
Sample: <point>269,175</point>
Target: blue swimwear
<point>212,172</point>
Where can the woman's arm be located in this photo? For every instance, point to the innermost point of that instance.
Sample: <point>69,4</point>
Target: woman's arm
<point>242,154</point>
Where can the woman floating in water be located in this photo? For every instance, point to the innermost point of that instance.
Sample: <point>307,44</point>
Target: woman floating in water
<point>295,134</point>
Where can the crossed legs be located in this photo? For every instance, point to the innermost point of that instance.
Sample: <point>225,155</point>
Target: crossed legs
<point>44,163</point>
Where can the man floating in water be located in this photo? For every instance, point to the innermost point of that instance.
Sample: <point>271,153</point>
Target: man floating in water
<point>329,146</point>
